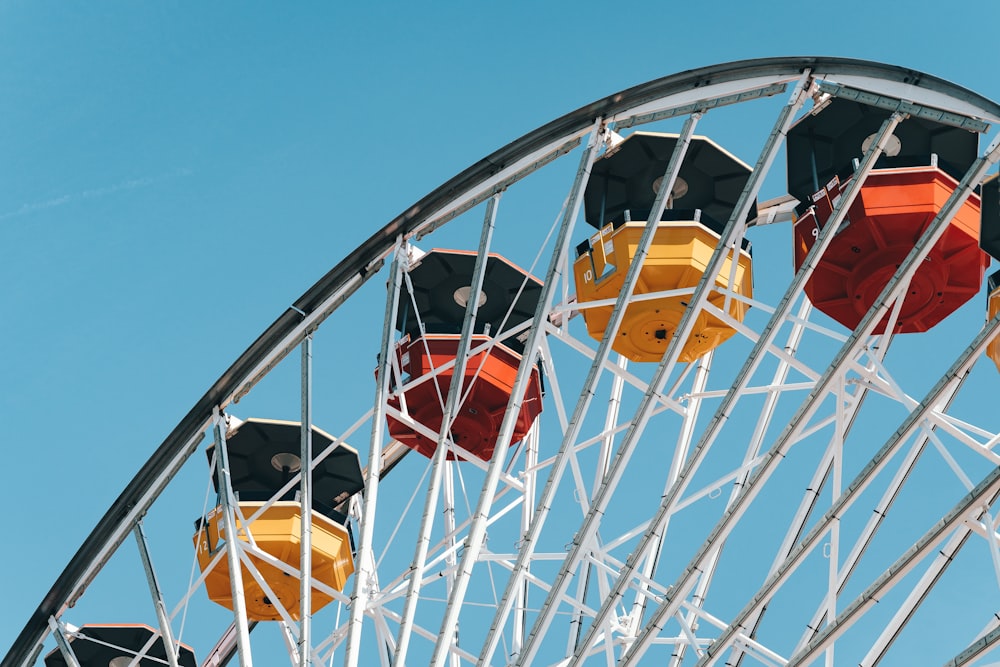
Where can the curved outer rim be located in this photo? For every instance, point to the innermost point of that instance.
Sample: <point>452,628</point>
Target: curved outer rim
<point>315,304</point>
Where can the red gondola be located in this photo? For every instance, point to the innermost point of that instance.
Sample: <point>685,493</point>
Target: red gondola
<point>432,328</point>
<point>919,170</point>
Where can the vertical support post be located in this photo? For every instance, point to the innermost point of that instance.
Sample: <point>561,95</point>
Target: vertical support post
<point>224,649</point>
<point>383,637</point>
<point>232,541</point>
<point>756,441</point>
<point>365,575</point>
<point>305,497</point>
<point>584,535</point>
<point>438,462</point>
<point>836,479</point>
<point>684,439</point>
<point>64,647</point>
<point>154,589</point>
<point>291,645</point>
<point>583,404</point>
<point>527,507</point>
<point>477,529</point>
<point>448,501</point>
<point>601,469</point>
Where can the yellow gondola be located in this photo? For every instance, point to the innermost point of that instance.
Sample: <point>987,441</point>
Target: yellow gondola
<point>619,195</point>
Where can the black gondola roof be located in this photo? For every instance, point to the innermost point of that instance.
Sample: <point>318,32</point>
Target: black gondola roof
<point>258,447</point>
<point>441,283</point>
<point>711,179</point>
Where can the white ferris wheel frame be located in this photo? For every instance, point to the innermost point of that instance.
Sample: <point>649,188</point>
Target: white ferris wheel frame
<point>599,631</point>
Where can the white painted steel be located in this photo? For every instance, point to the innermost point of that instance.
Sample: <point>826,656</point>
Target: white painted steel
<point>495,572</point>
<point>304,647</point>
<point>600,358</point>
<point>63,643</point>
<point>684,328</point>
<point>364,578</point>
<point>941,390</point>
<point>891,291</point>
<point>438,461</point>
<point>154,589</point>
<point>473,543</point>
<point>233,549</point>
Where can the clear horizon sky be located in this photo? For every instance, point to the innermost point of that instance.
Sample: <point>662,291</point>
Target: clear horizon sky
<point>174,175</point>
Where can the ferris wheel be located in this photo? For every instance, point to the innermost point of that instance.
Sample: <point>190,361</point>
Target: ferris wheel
<point>687,376</point>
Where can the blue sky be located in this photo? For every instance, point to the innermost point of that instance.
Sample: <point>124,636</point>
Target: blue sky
<point>173,175</point>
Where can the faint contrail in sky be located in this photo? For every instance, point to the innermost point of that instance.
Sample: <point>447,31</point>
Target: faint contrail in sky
<point>129,184</point>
